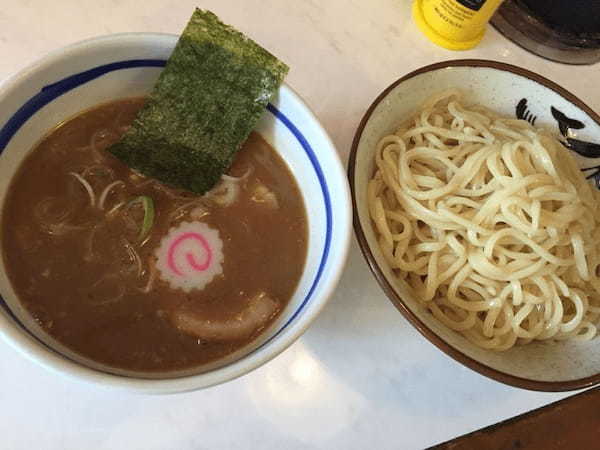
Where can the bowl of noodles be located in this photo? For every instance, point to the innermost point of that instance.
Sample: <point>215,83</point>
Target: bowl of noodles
<point>475,188</point>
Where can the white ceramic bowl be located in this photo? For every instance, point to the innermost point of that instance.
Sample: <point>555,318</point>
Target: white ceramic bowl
<point>512,91</point>
<point>86,74</point>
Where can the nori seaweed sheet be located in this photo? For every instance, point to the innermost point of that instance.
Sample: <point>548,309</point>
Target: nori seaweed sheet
<point>210,95</point>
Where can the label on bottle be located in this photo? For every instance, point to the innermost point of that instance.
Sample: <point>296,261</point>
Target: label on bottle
<point>474,5</point>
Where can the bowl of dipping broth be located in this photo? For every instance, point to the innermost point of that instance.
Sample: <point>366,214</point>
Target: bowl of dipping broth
<point>83,290</point>
<point>475,190</point>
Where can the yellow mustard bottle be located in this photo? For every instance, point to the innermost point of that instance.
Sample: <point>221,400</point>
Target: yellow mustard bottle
<point>454,24</point>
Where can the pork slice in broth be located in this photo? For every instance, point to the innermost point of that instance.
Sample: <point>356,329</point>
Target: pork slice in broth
<point>252,318</point>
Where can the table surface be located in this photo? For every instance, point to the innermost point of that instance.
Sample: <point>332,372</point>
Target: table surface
<point>361,377</point>
<point>570,423</point>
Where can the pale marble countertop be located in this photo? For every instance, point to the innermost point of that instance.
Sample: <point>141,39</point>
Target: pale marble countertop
<point>361,377</point>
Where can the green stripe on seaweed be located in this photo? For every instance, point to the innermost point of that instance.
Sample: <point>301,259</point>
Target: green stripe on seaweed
<point>207,100</point>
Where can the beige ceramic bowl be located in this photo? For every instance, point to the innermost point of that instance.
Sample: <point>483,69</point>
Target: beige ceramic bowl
<point>512,91</point>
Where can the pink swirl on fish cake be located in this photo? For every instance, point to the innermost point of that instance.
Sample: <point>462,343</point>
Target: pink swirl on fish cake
<point>190,256</point>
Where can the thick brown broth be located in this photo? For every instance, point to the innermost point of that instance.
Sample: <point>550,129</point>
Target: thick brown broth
<point>72,266</point>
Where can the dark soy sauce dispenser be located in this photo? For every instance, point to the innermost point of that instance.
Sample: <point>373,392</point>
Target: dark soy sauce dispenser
<point>566,31</point>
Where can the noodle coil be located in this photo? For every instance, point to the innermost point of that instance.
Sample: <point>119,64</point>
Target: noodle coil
<point>490,223</point>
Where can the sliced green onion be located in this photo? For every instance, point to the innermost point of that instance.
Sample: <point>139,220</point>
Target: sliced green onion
<point>148,221</point>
